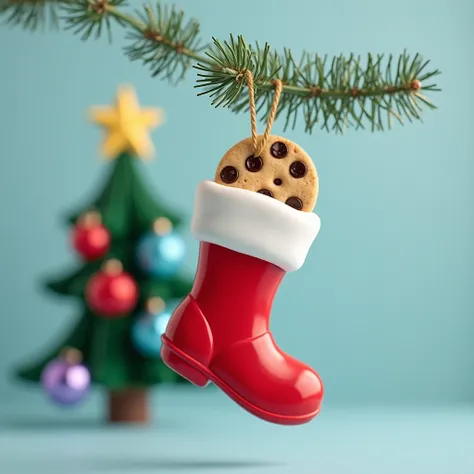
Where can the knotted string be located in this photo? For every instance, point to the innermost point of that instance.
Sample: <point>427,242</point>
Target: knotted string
<point>258,147</point>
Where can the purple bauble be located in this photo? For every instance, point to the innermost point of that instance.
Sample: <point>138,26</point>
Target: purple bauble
<point>65,383</point>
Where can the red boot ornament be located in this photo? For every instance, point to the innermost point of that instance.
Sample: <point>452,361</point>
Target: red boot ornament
<point>248,241</point>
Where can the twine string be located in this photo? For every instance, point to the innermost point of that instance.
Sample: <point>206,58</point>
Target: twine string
<point>258,147</point>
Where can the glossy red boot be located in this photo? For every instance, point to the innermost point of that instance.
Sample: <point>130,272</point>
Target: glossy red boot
<point>220,332</point>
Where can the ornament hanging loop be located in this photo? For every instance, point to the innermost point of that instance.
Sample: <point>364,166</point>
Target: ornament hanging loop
<point>258,147</point>
<point>71,355</point>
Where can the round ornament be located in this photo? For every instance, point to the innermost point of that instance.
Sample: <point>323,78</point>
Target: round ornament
<point>148,328</point>
<point>111,292</point>
<point>90,238</point>
<point>65,380</point>
<point>161,252</point>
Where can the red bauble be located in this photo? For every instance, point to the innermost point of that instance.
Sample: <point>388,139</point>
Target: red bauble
<point>90,238</point>
<point>111,292</point>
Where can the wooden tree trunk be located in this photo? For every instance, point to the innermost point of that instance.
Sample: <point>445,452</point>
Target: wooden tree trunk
<point>128,406</point>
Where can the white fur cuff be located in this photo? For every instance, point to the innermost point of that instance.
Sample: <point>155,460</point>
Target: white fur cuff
<point>253,224</point>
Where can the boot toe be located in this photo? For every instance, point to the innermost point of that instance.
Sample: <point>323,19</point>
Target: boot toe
<point>269,379</point>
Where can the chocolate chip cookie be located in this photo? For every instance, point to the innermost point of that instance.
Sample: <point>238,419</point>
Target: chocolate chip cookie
<point>282,171</point>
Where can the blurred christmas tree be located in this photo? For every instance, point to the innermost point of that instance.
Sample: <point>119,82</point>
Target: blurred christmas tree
<point>129,282</point>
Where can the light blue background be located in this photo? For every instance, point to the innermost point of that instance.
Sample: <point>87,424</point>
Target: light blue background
<point>384,307</point>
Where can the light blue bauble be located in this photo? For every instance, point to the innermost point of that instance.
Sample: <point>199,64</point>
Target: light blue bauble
<point>161,256</point>
<point>147,331</point>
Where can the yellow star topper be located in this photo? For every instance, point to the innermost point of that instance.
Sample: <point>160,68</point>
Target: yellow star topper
<point>127,126</point>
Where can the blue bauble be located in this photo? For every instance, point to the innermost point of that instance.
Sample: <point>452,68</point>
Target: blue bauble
<point>161,255</point>
<point>149,327</point>
<point>147,331</point>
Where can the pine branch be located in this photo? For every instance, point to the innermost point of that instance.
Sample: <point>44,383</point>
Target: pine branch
<point>31,15</point>
<point>332,94</point>
<point>88,17</point>
<point>164,42</point>
<point>346,92</point>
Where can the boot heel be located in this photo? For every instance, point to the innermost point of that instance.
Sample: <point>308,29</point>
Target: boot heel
<point>182,367</point>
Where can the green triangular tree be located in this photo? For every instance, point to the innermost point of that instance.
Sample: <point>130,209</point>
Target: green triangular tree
<point>128,210</point>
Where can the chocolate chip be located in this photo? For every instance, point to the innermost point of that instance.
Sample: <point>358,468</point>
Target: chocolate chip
<point>254,163</point>
<point>229,174</point>
<point>277,182</point>
<point>279,150</point>
<point>294,202</point>
<point>298,169</point>
<point>266,192</point>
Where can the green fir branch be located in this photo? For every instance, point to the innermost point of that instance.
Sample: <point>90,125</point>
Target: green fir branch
<point>164,42</point>
<point>89,17</point>
<point>31,15</point>
<point>332,94</point>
